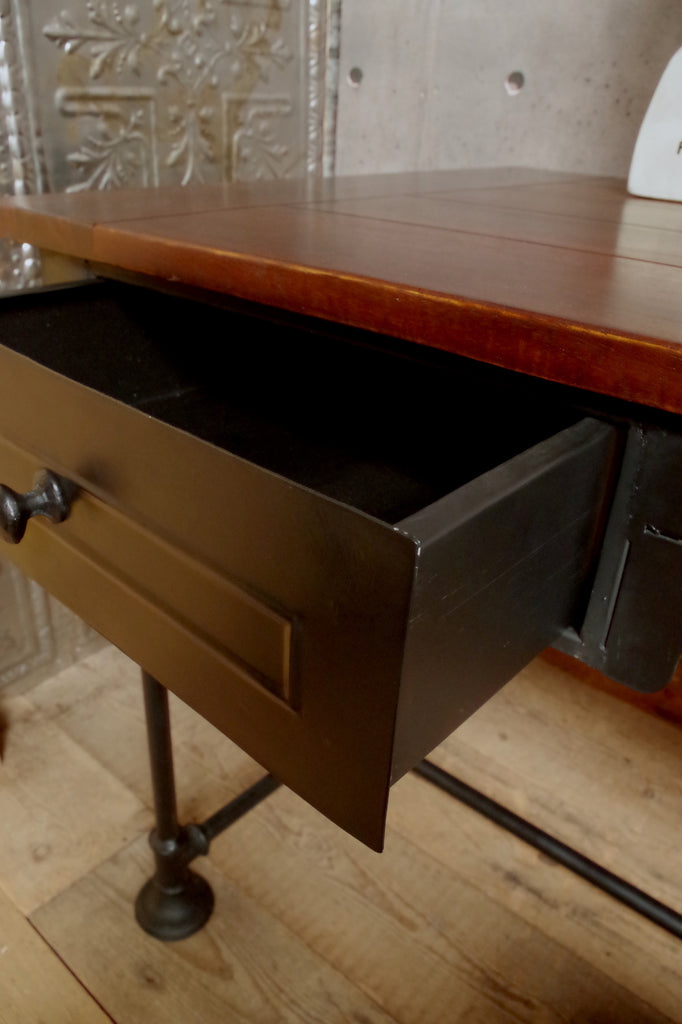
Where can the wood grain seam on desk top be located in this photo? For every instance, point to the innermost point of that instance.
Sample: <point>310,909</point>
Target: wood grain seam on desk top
<point>24,216</point>
<point>484,331</point>
<point>586,316</point>
<point>508,236</point>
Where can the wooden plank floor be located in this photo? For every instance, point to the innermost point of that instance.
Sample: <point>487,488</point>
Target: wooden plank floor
<point>455,922</point>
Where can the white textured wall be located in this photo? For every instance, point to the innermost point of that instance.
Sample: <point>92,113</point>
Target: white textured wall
<point>433,90</point>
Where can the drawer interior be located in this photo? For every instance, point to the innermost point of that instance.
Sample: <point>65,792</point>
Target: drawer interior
<point>383,431</point>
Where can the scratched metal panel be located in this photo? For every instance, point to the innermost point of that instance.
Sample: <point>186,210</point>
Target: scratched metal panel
<point>106,94</point>
<point>435,83</point>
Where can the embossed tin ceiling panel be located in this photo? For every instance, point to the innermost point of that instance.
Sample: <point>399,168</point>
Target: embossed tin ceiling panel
<point>173,91</point>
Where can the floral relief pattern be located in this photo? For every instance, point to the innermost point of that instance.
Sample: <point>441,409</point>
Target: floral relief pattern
<point>159,91</point>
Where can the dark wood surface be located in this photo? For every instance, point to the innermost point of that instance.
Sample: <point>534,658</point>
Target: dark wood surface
<point>563,277</point>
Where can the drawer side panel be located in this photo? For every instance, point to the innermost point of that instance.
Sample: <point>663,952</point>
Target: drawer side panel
<point>501,569</point>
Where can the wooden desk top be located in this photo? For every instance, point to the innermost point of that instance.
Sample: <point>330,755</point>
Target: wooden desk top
<point>564,277</point>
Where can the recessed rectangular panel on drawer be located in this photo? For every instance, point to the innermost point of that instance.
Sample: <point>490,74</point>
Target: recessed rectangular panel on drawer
<point>309,539</point>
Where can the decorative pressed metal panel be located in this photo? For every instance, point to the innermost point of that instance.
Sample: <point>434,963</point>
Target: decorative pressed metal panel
<point>108,94</point>
<point>181,91</point>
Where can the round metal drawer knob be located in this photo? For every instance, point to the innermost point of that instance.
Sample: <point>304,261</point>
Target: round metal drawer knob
<point>51,497</point>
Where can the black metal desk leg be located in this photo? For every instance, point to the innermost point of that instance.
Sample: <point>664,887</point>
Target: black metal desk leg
<point>176,902</point>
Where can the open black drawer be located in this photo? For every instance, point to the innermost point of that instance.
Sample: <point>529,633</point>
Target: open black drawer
<point>333,552</point>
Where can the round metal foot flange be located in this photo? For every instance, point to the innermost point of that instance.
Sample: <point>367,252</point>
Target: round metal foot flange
<point>175,913</point>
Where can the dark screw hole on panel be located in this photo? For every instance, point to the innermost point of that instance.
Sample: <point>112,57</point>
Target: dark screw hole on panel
<point>515,83</point>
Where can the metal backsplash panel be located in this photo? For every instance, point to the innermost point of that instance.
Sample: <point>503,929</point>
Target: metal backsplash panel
<point>175,91</point>
<point>101,94</point>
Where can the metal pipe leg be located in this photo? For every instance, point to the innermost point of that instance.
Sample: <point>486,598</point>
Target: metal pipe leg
<point>175,902</point>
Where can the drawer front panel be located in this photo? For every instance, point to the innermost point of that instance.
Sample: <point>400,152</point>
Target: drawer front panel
<point>243,629</point>
<point>327,588</point>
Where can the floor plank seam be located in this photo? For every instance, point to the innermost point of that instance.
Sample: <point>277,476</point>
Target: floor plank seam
<point>93,868</point>
<point>567,856</point>
<point>574,935</point>
<point>55,952</point>
<point>295,935</point>
<point>666,934</point>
